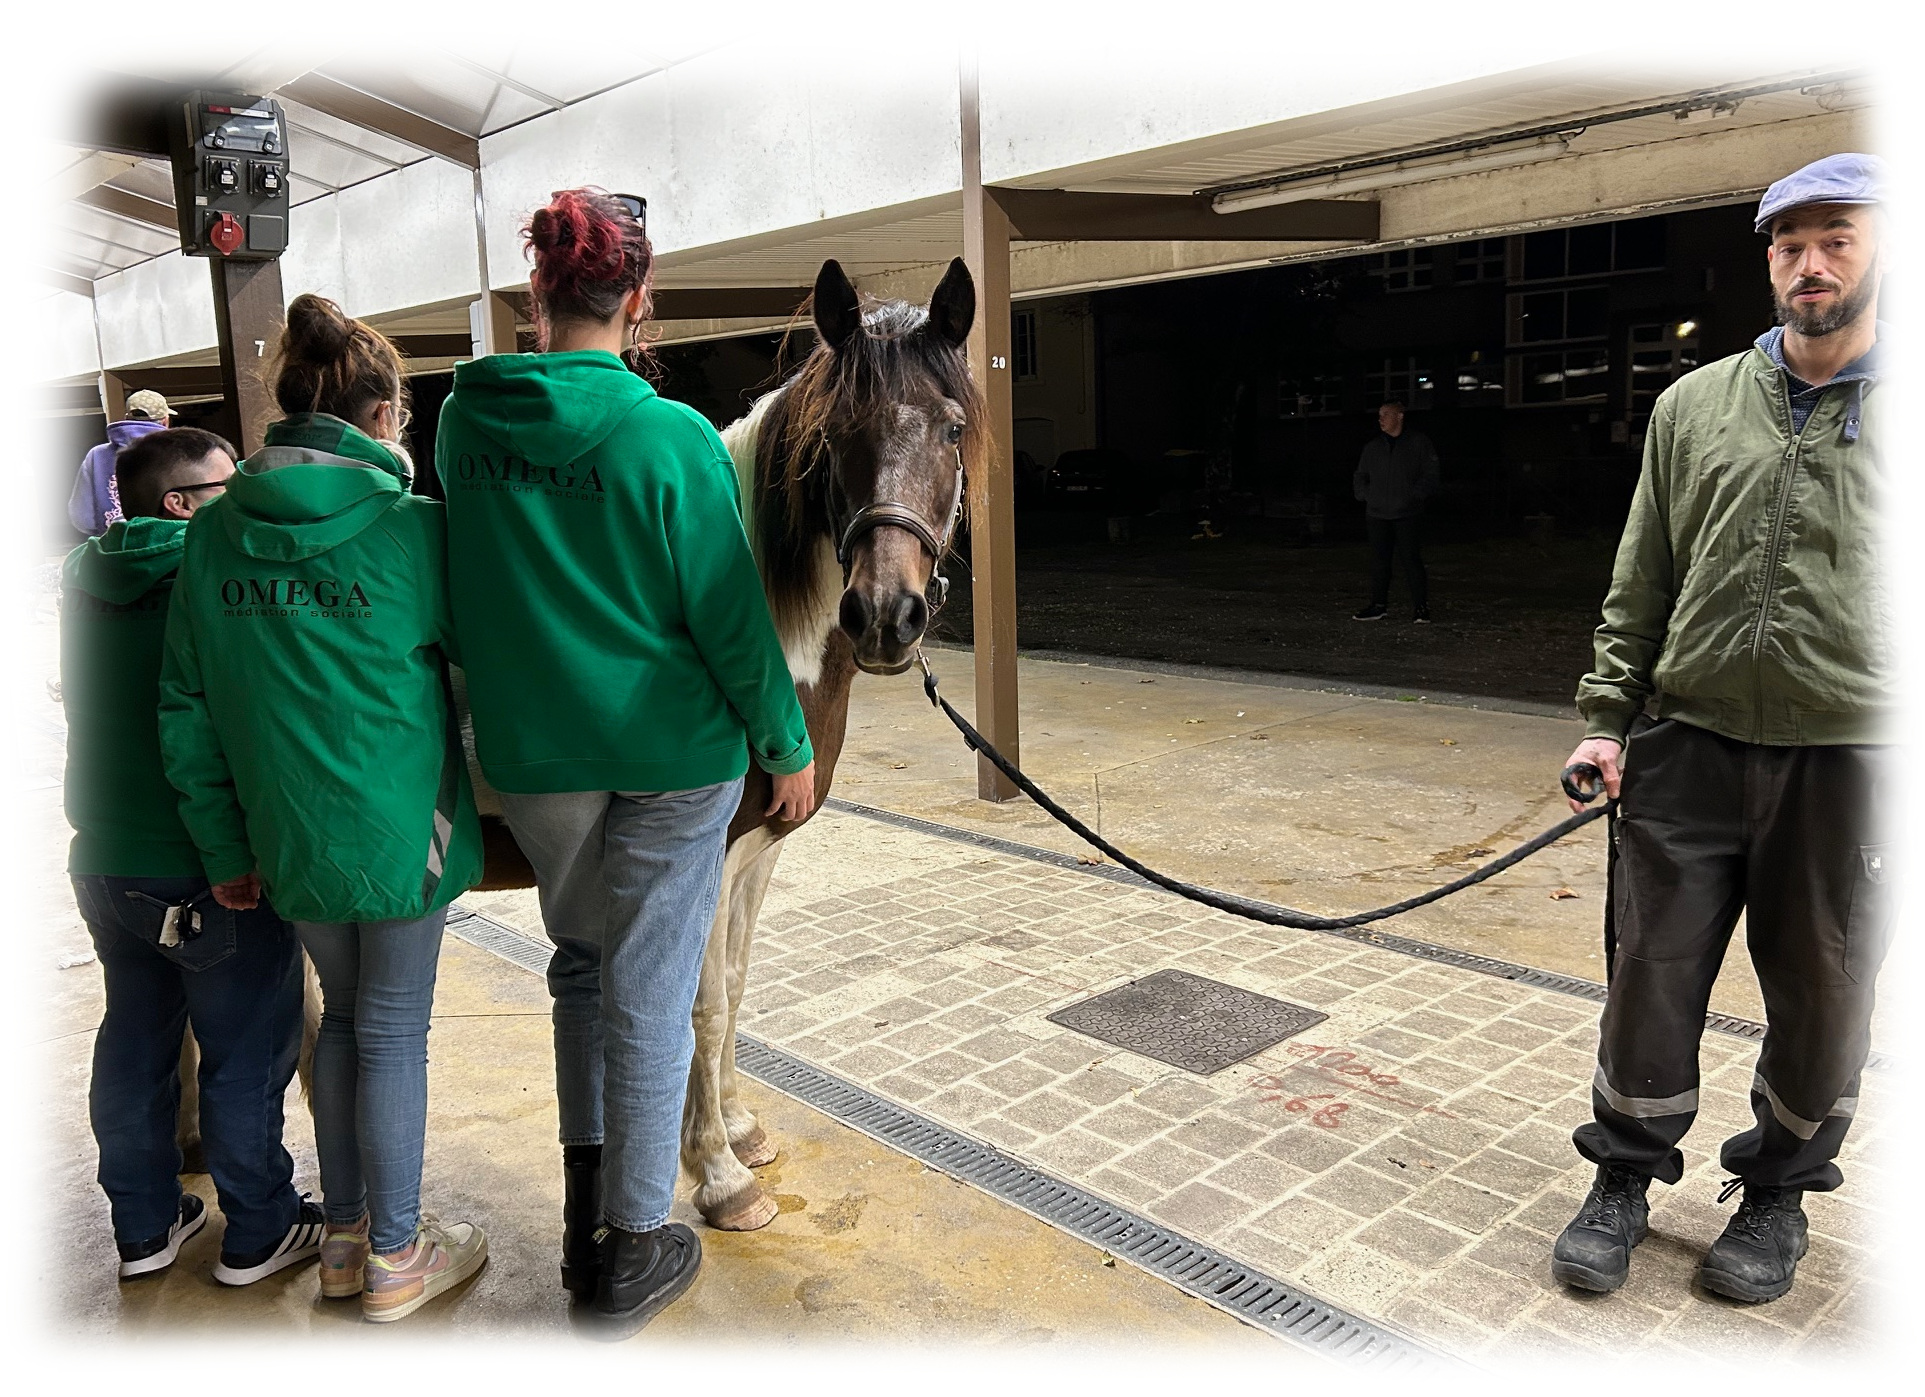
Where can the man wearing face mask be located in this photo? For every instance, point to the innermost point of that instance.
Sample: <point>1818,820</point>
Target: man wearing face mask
<point>1748,599</point>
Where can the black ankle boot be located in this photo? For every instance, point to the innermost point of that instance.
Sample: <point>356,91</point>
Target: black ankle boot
<point>1594,1251</point>
<point>1756,1257</point>
<point>641,1273</point>
<point>581,1219</point>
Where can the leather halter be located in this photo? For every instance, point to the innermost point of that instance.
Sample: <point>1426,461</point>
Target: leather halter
<point>884,514</point>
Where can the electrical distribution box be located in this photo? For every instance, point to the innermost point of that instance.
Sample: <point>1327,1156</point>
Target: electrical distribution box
<point>230,176</point>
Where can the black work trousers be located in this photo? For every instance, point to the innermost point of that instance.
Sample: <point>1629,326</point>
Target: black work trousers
<point>1397,539</point>
<point>1791,836</point>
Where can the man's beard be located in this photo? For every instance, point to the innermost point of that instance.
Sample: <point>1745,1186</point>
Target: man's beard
<point>1815,322</point>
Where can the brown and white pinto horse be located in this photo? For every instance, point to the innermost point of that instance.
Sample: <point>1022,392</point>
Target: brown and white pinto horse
<point>857,463</point>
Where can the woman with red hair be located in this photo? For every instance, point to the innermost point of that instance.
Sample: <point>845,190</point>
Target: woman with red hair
<point>622,670</point>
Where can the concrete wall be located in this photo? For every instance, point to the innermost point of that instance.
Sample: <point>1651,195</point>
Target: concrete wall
<point>405,239</point>
<point>734,146</point>
<point>63,335</point>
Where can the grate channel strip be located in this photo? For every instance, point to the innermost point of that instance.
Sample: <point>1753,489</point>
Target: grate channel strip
<point>1210,1275</point>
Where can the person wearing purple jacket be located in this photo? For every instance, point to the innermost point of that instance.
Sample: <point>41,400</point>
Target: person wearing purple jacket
<point>95,505</point>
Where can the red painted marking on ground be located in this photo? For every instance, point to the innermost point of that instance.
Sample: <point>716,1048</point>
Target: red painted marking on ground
<point>1340,1067</point>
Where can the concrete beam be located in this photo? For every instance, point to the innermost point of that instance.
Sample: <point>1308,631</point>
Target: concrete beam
<point>1065,215</point>
<point>64,281</point>
<point>137,207</point>
<point>726,302</point>
<point>357,108</point>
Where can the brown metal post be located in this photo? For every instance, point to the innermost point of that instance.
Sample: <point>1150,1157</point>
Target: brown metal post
<point>992,532</point>
<point>248,315</point>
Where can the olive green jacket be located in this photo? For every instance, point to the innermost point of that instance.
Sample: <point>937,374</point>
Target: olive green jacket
<point>1747,592</point>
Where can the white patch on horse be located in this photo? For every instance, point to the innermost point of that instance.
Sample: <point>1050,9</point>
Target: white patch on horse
<point>802,625</point>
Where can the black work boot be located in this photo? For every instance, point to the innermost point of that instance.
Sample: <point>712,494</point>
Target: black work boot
<point>1594,1251</point>
<point>641,1273</point>
<point>581,1219</point>
<point>1756,1256</point>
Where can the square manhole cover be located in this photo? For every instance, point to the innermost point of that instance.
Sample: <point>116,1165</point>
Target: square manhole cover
<point>1200,1025</point>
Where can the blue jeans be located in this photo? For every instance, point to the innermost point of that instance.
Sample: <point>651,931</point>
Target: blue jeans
<point>629,882</point>
<point>239,984</point>
<point>371,1068</point>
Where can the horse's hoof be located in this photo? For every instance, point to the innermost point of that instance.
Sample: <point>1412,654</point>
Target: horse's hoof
<point>743,1211</point>
<point>755,1149</point>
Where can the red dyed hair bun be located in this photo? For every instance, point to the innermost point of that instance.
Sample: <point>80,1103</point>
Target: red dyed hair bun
<point>589,254</point>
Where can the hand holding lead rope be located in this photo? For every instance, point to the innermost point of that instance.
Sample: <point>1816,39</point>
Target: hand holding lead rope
<point>1583,782</point>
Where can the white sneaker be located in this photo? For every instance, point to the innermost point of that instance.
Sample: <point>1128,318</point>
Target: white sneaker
<point>442,1257</point>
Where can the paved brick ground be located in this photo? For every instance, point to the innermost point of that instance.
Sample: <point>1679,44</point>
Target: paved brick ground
<point>1408,1159</point>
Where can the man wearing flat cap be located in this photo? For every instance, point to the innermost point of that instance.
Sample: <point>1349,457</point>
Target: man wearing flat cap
<point>1748,609</point>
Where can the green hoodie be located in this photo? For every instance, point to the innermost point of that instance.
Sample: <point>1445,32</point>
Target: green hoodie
<point>113,620</point>
<point>305,714</point>
<point>613,629</point>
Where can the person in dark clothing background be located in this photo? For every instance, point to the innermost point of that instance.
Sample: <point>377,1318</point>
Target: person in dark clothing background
<point>1397,472</point>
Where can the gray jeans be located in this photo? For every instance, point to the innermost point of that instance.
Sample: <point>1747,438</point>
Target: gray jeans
<point>629,882</point>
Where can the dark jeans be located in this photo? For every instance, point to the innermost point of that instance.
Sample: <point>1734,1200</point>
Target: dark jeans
<point>1790,836</point>
<point>239,984</point>
<point>1398,539</point>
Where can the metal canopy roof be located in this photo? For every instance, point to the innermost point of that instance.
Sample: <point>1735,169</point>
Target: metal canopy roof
<point>472,93</point>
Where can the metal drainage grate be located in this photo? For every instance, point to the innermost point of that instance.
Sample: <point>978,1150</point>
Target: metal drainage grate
<point>1530,975</point>
<point>504,941</point>
<point>1198,1024</point>
<point>1199,1270</point>
<point>1202,1271</point>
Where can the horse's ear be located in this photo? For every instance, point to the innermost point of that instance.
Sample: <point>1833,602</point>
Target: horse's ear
<point>838,314</point>
<point>952,309</point>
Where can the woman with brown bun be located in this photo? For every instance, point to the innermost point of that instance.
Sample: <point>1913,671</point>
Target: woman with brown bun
<point>306,721</point>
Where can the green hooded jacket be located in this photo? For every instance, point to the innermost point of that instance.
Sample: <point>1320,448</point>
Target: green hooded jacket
<point>1748,592</point>
<point>113,623</point>
<point>613,628</point>
<point>305,714</point>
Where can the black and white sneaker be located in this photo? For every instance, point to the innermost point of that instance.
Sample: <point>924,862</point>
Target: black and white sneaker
<point>158,1253</point>
<point>1373,612</point>
<point>302,1243</point>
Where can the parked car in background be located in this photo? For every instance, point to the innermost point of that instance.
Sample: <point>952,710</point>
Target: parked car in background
<point>1091,477</point>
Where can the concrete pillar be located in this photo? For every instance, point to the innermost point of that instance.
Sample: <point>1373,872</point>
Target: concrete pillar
<point>992,529</point>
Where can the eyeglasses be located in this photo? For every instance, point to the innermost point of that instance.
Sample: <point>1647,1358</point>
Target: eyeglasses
<point>637,208</point>
<point>202,485</point>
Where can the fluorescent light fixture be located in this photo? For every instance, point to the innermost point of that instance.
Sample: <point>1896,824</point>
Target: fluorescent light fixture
<point>1410,171</point>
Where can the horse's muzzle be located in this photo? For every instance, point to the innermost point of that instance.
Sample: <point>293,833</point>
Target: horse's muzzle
<point>885,634</point>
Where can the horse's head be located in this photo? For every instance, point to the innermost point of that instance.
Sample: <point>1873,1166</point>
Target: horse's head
<point>886,408</point>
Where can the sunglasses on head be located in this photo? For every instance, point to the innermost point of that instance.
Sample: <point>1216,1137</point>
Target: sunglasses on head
<point>637,208</point>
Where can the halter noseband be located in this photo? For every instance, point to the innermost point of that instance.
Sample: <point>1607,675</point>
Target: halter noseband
<point>879,514</point>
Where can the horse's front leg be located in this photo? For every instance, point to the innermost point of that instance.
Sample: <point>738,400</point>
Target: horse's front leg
<point>726,1193</point>
<point>750,1142</point>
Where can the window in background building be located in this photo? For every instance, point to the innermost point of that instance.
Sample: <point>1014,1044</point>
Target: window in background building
<point>1561,376</point>
<point>1022,345</point>
<point>1320,395</point>
<point>1407,270</point>
<point>1660,355</point>
<point>1401,379</point>
<point>1569,313</point>
<point>1482,260</point>
<point>1480,379</point>
<point>1594,250</point>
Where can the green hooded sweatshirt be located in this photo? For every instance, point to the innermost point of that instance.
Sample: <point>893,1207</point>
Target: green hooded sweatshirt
<point>305,714</point>
<point>613,629</point>
<point>113,621</point>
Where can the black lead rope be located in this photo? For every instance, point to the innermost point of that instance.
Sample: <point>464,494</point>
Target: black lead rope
<point>1581,782</point>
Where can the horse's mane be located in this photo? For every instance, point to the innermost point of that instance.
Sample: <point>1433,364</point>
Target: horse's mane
<point>788,431</point>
